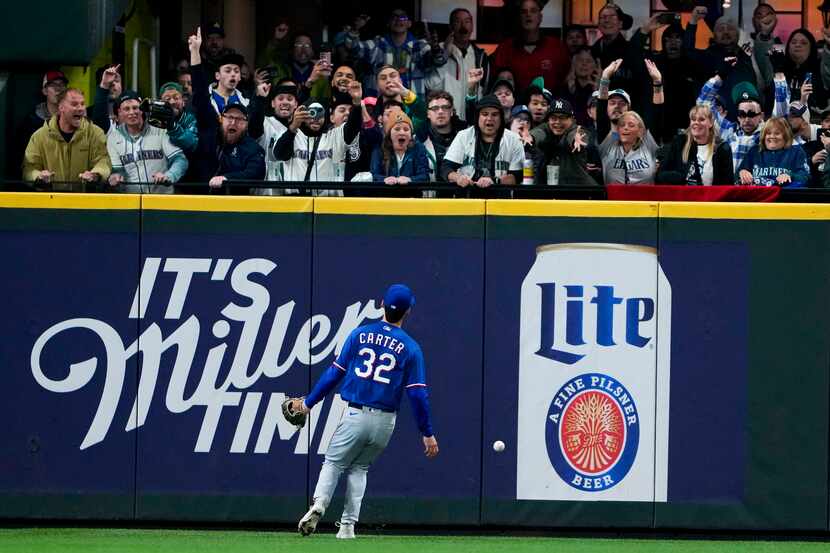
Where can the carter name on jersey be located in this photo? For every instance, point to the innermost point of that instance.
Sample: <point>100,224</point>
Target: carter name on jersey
<point>381,340</point>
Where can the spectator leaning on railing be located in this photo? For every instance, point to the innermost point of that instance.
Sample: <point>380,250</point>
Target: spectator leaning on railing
<point>629,155</point>
<point>486,153</point>
<point>565,148</point>
<point>697,157</point>
<point>401,159</point>
<point>266,130</point>
<point>141,153</point>
<point>225,150</point>
<point>311,149</point>
<point>443,127</point>
<point>775,161</point>
<point>69,152</point>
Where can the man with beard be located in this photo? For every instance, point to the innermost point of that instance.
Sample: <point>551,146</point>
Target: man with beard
<point>69,152</point>
<point>341,78</point>
<point>443,127</point>
<point>798,116</point>
<point>311,149</point>
<point>565,148</point>
<point>184,132</point>
<point>141,154</point>
<point>266,130</point>
<point>186,82</point>
<point>618,103</point>
<point>462,56</point>
<point>486,153</point>
<point>225,150</point>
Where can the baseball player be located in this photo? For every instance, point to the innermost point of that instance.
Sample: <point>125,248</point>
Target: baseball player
<point>378,362</point>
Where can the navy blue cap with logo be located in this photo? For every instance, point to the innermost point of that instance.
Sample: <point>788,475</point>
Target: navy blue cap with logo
<point>398,298</point>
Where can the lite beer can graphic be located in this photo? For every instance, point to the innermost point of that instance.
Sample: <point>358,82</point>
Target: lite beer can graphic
<point>594,370</point>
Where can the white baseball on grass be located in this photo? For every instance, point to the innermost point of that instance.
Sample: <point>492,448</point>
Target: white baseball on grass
<point>498,446</point>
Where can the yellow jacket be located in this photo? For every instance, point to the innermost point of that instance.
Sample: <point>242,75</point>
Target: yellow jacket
<point>86,151</point>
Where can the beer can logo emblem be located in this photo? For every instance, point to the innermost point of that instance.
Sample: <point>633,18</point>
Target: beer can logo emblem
<point>592,432</point>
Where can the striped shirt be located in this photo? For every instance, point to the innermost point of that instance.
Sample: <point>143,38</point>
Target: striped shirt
<point>730,132</point>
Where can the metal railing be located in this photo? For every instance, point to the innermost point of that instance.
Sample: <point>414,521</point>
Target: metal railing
<point>374,189</point>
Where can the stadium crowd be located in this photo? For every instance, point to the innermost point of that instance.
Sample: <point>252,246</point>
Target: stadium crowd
<point>750,109</point>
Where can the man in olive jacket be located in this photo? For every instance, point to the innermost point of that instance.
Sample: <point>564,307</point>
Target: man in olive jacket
<point>69,152</point>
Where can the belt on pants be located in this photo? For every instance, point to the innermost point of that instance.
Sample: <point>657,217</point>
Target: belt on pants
<point>360,406</point>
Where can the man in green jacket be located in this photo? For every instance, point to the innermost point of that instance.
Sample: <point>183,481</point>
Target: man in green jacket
<point>69,152</point>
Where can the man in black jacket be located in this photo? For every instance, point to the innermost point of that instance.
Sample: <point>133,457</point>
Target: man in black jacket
<point>225,150</point>
<point>566,149</point>
<point>444,124</point>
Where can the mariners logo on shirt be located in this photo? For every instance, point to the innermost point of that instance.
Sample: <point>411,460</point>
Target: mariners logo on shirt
<point>592,432</point>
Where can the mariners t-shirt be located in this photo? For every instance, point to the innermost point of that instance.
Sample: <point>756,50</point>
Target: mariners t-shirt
<point>637,166</point>
<point>380,360</point>
<point>510,156</point>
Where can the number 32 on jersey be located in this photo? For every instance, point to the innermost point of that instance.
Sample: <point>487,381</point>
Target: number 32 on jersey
<point>385,363</point>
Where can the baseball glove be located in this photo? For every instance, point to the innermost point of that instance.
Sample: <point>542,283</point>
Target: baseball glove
<point>297,418</point>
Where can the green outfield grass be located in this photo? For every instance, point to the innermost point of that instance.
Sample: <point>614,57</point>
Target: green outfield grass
<point>81,540</point>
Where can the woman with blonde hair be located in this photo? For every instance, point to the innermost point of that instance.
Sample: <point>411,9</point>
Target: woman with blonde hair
<point>698,156</point>
<point>775,161</point>
<point>629,155</point>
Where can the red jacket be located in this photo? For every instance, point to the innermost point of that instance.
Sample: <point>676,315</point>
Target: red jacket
<point>549,60</point>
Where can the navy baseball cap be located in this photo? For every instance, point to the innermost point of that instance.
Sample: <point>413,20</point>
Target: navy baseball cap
<point>237,106</point>
<point>398,298</point>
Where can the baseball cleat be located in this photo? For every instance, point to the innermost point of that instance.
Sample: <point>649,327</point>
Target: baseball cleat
<point>346,531</point>
<point>308,524</point>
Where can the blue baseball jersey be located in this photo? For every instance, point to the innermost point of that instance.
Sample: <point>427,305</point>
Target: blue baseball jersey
<point>380,360</point>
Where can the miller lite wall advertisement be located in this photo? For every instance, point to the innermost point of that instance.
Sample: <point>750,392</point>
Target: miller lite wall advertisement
<point>642,367</point>
<point>589,377</point>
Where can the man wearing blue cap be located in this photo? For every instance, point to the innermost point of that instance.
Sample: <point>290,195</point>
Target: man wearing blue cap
<point>377,363</point>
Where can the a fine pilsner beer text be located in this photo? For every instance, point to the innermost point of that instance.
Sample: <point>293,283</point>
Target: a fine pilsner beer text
<point>594,373</point>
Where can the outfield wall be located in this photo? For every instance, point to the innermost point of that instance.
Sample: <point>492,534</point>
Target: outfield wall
<point>647,364</point>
